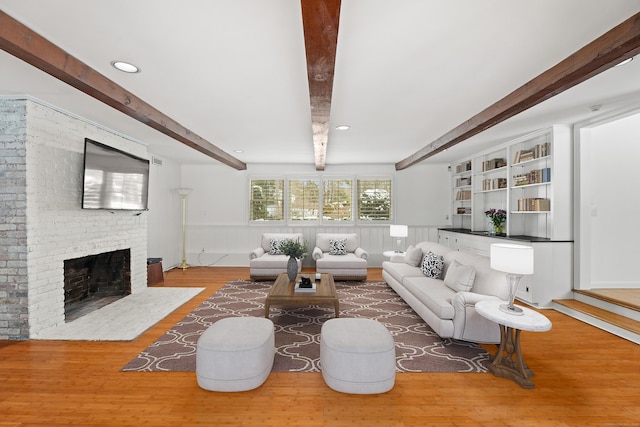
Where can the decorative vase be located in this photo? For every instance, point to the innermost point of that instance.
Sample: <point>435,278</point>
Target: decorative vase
<point>497,229</point>
<point>292,269</point>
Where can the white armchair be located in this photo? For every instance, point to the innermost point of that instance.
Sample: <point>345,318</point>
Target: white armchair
<point>265,262</point>
<point>340,255</point>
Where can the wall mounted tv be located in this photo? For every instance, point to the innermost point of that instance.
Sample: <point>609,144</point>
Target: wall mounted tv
<point>113,179</point>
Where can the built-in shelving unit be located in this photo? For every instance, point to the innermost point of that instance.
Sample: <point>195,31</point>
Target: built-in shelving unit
<point>530,178</point>
<point>521,177</point>
<point>462,194</point>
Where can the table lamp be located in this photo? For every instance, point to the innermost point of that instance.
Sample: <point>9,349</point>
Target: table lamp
<point>516,261</point>
<point>399,231</point>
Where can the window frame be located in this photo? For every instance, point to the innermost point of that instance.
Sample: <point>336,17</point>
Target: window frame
<point>321,178</point>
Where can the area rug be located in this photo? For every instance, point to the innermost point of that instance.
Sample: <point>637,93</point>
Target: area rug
<point>297,331</point>
<point>124,319</point>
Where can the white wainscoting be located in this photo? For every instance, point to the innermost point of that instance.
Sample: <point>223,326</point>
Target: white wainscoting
<point>229,245</point>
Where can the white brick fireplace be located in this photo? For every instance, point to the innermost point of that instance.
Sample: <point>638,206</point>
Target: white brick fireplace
<point>50,145</point>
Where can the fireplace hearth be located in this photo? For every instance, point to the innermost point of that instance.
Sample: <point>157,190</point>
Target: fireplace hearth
<point>94,281</point>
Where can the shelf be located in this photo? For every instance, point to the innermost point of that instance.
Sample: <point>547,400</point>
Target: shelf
<point>490,191</point>
<point>537,184</point>
<point>492,171</point>
<point>463,186</point>
<point>530,212</point>
<point>457,214</point>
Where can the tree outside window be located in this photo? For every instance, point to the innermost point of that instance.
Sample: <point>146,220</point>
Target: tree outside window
<point>374,199</point>
<point>304,199</point>
<point>267,200</point>
<point>337,197</point>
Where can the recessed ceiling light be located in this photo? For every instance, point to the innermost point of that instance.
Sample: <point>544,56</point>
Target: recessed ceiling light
<point>343,127</point>
<point>238,151</point>
<point>125,67</point>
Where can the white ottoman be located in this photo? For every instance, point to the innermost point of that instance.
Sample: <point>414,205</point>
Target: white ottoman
<point>357,356</point>
<point>235,354</point>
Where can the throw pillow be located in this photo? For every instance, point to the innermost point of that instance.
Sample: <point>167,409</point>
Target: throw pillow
<point>274,245</point>
<point>432,265</point>
<point>337,246</point>
<point>460,277</point>
<point>413,256</point>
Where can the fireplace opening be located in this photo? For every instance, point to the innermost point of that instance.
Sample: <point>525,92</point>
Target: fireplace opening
<point>94,281</point>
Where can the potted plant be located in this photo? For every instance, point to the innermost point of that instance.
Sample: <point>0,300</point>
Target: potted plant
<point>295,250</point>
<point>497,217</point>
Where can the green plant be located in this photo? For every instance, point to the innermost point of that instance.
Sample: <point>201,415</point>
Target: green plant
<point>293,248</point>
<point>496,216</point>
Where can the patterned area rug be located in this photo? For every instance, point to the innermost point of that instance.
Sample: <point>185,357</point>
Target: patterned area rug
<point>297,331</point>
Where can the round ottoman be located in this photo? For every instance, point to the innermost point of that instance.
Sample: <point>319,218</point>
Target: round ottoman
<point>357,356</point>
<point>235,354</point>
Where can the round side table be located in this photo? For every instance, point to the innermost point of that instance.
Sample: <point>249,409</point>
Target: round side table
<point>389,254</point>
<point>508,362</point>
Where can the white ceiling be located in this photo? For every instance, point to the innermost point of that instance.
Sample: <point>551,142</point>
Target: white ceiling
<point>406,73</point>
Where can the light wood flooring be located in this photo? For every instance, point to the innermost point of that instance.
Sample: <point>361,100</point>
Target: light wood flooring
<point>584,377</point>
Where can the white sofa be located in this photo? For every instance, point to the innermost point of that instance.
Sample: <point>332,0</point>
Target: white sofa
<point>450,313</point>
<point>347,264</point>
<point>264,264</point>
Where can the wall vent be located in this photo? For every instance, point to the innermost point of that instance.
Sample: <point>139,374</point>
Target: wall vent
<point>156,161</point>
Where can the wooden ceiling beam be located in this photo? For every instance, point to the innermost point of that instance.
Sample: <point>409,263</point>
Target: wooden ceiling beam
<point>620,43</point>
<point>320,20</point>
<point>23,43</point>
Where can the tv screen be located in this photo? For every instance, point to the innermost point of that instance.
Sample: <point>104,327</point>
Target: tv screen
<point>113,179</point>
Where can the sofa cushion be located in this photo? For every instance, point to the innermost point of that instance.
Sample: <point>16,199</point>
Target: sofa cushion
<point>337,246</point>
<point>400,270</point>
<point>487,280</point>
<point>346,261</point>
<point>460,277</point>
<point>322,240</point>
<point>413,256</point>
<point>432,265</point>
<point>433,294</point>
<point>274,246</point>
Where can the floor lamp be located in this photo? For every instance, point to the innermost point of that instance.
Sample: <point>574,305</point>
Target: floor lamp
<point>184,192</point>
<point>515,260</point>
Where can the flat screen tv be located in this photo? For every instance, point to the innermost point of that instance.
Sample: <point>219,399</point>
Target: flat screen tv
<point>113,179</point>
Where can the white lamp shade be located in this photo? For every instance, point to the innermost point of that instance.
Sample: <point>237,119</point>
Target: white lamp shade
<point>514,259</point>
<point>183,191</point>
<point>399,231</point>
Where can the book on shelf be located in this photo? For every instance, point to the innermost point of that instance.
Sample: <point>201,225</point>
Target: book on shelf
<point>537,176</point>
<point>493,164</point>
<point>463,195</point>
<point>462,182</point>
<point>539,150</point>
<point>534,204</point>
<point>463,167</point>
<point>494,184</point>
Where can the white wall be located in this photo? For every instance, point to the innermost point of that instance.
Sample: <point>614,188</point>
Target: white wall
<point>217,209</point>
<point>164,218</point>
<point>609,204</point>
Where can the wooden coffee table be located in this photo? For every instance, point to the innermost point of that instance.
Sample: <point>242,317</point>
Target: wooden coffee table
<point>283,293</point>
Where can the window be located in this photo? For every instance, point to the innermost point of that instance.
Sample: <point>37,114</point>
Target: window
<point>317,200</point>
<point>267,200</point>
<point>337,195</point>
<point>304,199</point>
<point>374,199</point>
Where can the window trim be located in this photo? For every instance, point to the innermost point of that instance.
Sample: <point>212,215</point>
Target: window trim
<point>356,221</point>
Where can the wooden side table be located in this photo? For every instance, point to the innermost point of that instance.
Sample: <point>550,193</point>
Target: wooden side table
<point>508,362</point>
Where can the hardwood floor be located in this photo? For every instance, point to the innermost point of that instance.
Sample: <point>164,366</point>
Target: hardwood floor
<point>585,377</point>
